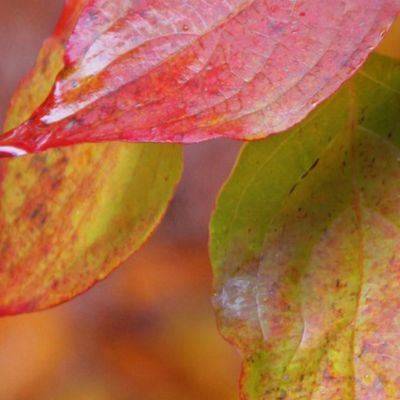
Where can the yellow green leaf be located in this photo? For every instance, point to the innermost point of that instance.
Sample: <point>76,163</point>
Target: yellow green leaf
<point>305,248</point>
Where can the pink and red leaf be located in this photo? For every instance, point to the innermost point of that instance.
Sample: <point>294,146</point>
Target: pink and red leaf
<point>179,71</point>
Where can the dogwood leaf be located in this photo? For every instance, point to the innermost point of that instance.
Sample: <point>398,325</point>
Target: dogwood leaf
<point>173,71</point>
<point>68,217</point>
<point>306,250</point>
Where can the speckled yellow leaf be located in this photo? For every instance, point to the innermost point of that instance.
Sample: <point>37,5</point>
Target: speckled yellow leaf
<point>306,250</point>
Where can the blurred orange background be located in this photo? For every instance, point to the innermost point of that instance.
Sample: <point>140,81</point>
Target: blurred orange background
<point>148,332</point>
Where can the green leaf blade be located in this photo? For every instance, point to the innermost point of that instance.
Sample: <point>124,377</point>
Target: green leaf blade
<point>303,240</point>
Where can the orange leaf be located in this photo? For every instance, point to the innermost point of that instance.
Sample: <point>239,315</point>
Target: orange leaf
<point>70,216</point>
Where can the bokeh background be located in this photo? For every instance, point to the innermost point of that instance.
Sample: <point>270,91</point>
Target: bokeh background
<point>148,331</point>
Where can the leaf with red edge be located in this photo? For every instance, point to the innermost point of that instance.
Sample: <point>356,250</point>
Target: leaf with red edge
<point>68,217</point>
<point>179,71</point>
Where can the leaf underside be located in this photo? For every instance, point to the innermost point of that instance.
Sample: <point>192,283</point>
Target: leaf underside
<point>170,71</point>
<point>305,248</point>
<point>70,216</point>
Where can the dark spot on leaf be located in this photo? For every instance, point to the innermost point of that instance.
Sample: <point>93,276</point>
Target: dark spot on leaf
<point>310,169</point>
<point>292,189</point>
<point>35,213</point>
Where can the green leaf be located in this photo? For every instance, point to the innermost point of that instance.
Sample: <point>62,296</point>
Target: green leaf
<point>70,216</point>
<point>305,249</point>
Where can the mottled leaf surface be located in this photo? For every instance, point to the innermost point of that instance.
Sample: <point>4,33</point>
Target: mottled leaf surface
<point>69,217</point>
<point>179,71</point>
<point>305,247</point>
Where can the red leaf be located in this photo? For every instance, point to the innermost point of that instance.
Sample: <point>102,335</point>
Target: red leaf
<point>179,71</point>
